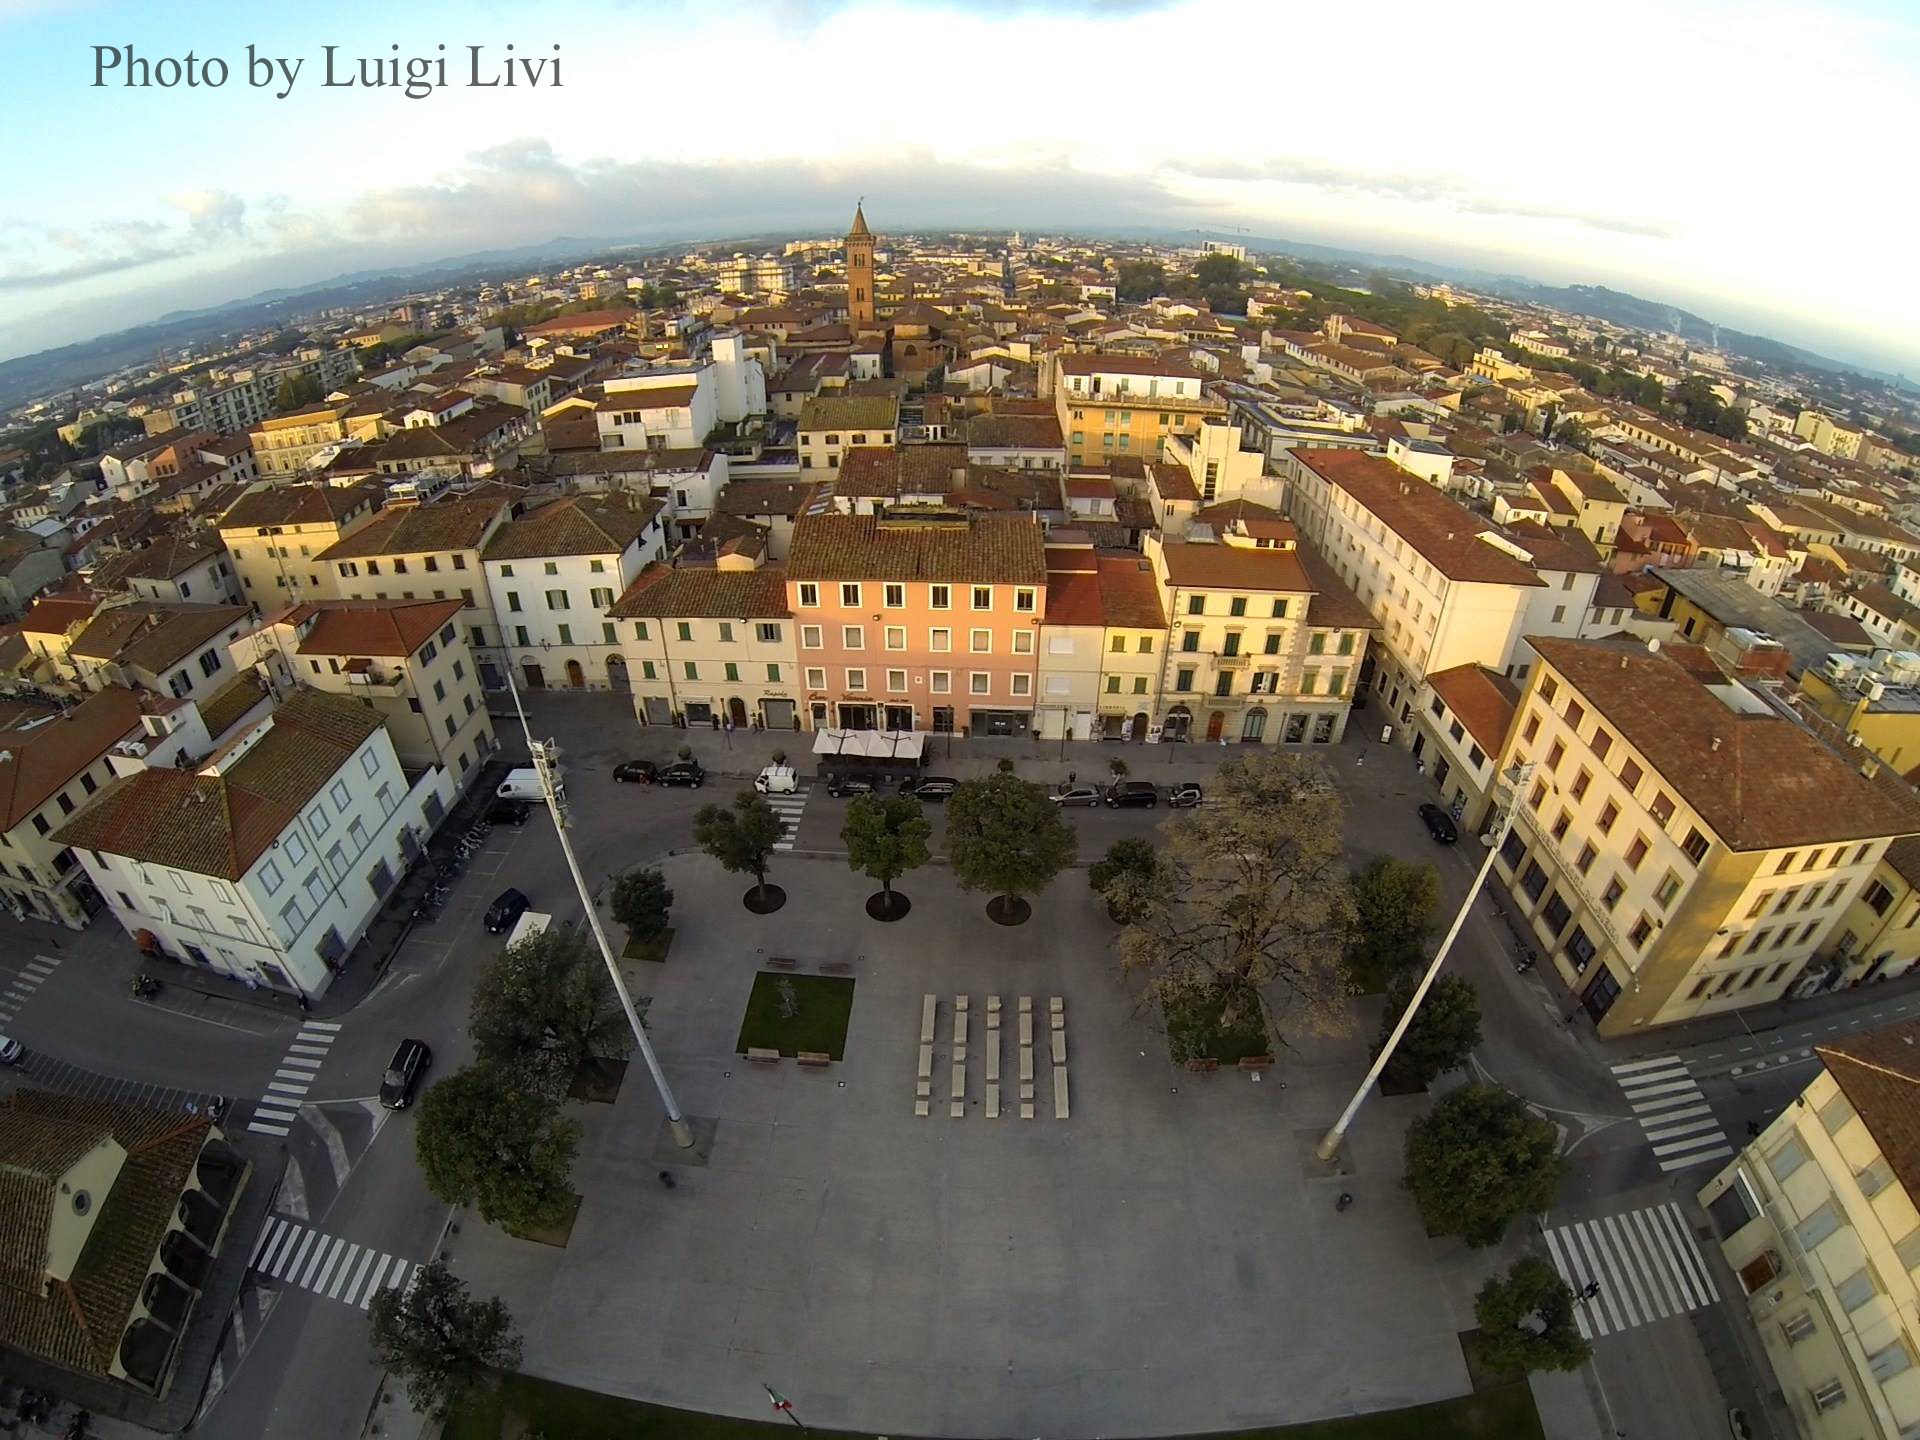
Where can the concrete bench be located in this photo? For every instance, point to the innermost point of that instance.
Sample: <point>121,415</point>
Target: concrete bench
<point>926,1062</point>
<point>993,1060</point>
<point>960,1003</point>
<point>781,962</point>
<point>1026,1004</point>
<point>993,1101</point>
<point>922,1108</point>
<point>993,1020</point>
<point>993,1004</point>
<point>1256,1062</point>
<point>1057,1021</point>
<point>1059,1047</point>
<point>959,1027</point>
<point>1026,1063</point>
<point>959,1082</point>
<point>1059,1092</point>
<point>814,1057</point>
<point>762,1056</point>
<point>1026,1109</point>
<point>1056,1005</point>
<point>1026,1030</point>
<point>927,1009</point>
<point>923,1089</point>
<point>836,967</point>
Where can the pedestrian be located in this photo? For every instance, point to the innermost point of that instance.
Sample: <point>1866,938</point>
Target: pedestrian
<point>666,1179</point>
<point>1591,1290</point>
<point>1360,759</point>
<point>305,1008</point>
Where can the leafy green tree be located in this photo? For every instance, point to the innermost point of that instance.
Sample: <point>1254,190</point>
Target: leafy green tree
<point>544,1008</point>
<point>1394,902</point>
<point>1124,877</point>
<point>742,838</point>
<point>886,836</point>
<point>295,391</point>
<point>1140,280</point>
<point>1219,270</point>
<point>1445,1029</point>
<point>1731,424</point>
<point>1005,836</point>
<point>1479,1158</point>
<point>448,1347</point>
<point>1527,1320</point>
<point>1574,435</point>
<point>642,901</point>
<point>484,1140</point>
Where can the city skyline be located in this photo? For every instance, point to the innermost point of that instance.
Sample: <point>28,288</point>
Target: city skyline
<point>651,137</point>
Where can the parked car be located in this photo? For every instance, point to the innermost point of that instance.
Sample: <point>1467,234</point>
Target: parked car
<point>1439,824</point>
<point>508,907</point>
<point>861,782</point>
<point>508,812</point>
<point>10,1050</point>
<point>929,787</point>
<point>636,772</point>
<point>1077,795</point>
<point>409,1063</point>
<point>777,780</point>
<point>1185,795</point>
<point>681,772</point>
<point>1133,792</point>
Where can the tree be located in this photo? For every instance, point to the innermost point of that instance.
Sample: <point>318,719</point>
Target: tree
<point>1124,877</point>
<point>1248,913</point>
<point>1140,280</point>
<point>741,839</point>
<point>295,391</point>
<point>1574,436</point>
<point>641,901</point>
<point>446,1346</point>
<point>1218,270</point>
<point>544,1008</point>
<point>485,1141</point>
<point>886,836</point>
<point>1444,1031</point>
<point>1527,1322</point>
<point>1006,836</point>
<point>1393,909</point>
<point>1479,1158</point>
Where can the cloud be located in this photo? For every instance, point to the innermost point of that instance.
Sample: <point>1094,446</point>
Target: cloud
<point>41,257</point>
<point>211,213</point>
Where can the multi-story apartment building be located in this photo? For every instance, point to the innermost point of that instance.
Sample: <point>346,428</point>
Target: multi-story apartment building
<point>1679,848</point>
<point>427,552</point>
<point>268,860</point>
<point>1103,643</point>
<point>919,619</point>
<point>1444,587</point>
<point>553,575</point>
<point>677,407</point>
<point>406,659</point>
<point>247,396</point>
<point>831,425</point>
<point>1460,728</point>
<point>53,763</point>
<point>275,534</point>
<point>284,444</point>
<point>1819,1216</point>
<point>184,566</point>
<point>1111,405</point>
<point>137,467</point>
<point>171,650</point>
<point>709,645</point>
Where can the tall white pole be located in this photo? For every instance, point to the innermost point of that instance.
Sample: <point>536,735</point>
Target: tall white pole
<point>1330,1143</point>
<point>542,754</point>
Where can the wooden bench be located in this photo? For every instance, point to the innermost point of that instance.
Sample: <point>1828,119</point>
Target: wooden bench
<point>1256,1062</point>
<point>781,962</point>
<point>1205,1066</point>
<point>814,1057</point>
<point>762,1056</point>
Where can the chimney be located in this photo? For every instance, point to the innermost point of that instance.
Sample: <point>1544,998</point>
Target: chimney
<point>1716,744</point>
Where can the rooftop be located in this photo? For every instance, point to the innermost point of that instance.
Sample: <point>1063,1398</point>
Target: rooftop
<point>689,592</point>
<point>1879,1073</point>
<point>39,761</point>
<point>1482,700</point>
<point>974,548</point>
<point>418,529</point>
<point>604,524</point>
<point>392,629</point>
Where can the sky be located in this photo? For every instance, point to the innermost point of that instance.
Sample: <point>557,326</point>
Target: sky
<point>1740,159</point>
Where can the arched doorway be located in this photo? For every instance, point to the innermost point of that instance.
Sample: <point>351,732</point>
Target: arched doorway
<point>617,673</point>
<point>1254,727</point>
<point>536,677</point>
<point>576,677</point>
<point>1138,729</point>
<point>1179,723</point>
<point>737,712</point>
<point>1216,722</point>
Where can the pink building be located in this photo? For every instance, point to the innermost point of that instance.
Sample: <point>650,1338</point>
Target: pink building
<point>919,619</point>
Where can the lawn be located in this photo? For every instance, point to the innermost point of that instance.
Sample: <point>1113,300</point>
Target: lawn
<point>540,1407</point>
<point>821,1005</point>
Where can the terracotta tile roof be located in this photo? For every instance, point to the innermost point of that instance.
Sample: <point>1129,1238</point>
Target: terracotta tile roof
<point>391,629</point>
<point>1879,1073</point>
<point>1129,596</point>
<point>1843,630</point>
<point>982,548</point>
<point>1334,605</point>
<point>577,525</point>
<point>850,412</point>
<point>1091,364</point>
<point>1014,432</point>
<point>223,709</point>
<point>1444,533</point>
<point>662,397</point>
<point>1482,700</point>
<point>220,824</point>
<point>57,614</point>
<point>1759,780</point>
<point>47,757</point>
<point>869,472</point>
<point>167,557</point>
<point>419,529</point>
<point>764,497</point>
<point>153,636</point>
<point>691,592</point>
<point>1073,596</point>
<point>298,505</point>
<point>1174,483</point>
<point>1557,547</point>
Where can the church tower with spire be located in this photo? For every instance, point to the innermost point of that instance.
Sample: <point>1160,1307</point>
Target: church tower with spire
<point>859,271</point>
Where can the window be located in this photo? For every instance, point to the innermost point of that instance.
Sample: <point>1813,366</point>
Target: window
<point>810,637</point>
<point>1836,1113</point>
<point>940,597</point>
<point>857,679</point>
<point>1667,890</point>
<point>1878,897</point>
<point>809,593</point>
<point>1280,610</point>
<point>1695,845</point>
<point>1641,932</point>
<point>983,597</point>
<point>853,637</point>
<point>1023,644</point>
<point>1183,679</point>
<point>1829,1395</point>
<point>940,682</point>
<point>1798,1326</point>
<point>1608,814</point>
<point>684,628</point>
<point>1818,1225</point>
<point>1532,728</point>
<point>1587,856</point>
<point>1580,784</point>
<point>1602,743</point>
<point>896,637</point>
<point>979,682</point>
<point>1549,687</point>
<point>1637,852</point>
<point>1024,599</point>
<point>1890,1360</point>
<point>940,639</point>
<point>850,595</point>
<point>766,632</point>
<point>1118,645</point>
<point>1787,1159</point>
<point>1735,1207</point>
<point>1875,1178</point>
<point>1534,882</point>
<point>1909,1249</point>
<point>816,678</point>
<point>1145,647</point>
<point>1631,775</point>
<point>1662,807</point>
<point>897,682</point>
<point>1190,642</point>
<point>980,642</point>
<point>551,567</point>
<point>1023,684</point>
<point>1555,755</point>
<point>1557,913</point>
<point>1857,1289</point>
<point>1611,896</point>
<point>692,669</point>
<point>1512,849</point>
<point>893,596</point>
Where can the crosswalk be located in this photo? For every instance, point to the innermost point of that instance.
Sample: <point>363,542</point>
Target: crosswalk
<point>1672,1112</point>
<point>327,1265</point>
<point>51,1074</point>
<point>280,1106</point>
<point>1646,1263</point>
<point>19,988</point>
<point>789,808</point>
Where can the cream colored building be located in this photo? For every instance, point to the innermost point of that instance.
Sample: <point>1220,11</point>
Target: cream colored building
<point>274,535</point>
<point>1103,643</point>
<point>1679,849</point>
<point>831,425</point>
<point>283,445</point>
<point>1818,1218</point>
<point>709,644</point>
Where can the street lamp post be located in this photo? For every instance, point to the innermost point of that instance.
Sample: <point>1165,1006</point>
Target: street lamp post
<point>1330,1143</point>
<point>544,754</point>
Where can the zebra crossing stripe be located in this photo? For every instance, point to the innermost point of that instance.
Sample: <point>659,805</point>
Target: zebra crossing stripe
<point>373,1283</point>
<point>261,1128</point>
<point>295,1253</point>
<point>306,1025</point>
<point>267,1232</point>
<point>333,1291</point>
<point>366,1261</point>
<point>1646,1262</point>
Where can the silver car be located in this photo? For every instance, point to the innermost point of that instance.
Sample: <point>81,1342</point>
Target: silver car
<point>1077,795</point>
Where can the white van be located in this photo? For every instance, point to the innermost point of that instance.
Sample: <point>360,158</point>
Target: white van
<point>523,784</point>
<point>777,780</point>
<point>529,925</point>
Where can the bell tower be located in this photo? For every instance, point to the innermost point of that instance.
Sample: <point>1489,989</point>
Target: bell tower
<point>859,271</point>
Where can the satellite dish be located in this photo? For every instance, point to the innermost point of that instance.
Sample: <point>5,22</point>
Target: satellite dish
<point>1653,645</point>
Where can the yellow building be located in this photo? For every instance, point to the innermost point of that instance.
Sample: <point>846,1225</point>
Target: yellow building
<point>831,425</point>
<point>284,444</point>
<point>1680,849</point>
<point>1111,405</point>
<point>1879,933</point>
<point>1884,715</point>
<point>274,534</point>
<point>1817,1217</point>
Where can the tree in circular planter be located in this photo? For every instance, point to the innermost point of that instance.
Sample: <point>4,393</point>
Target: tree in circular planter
<point>1007,837</point>
<point>1124,877</point>
<point>545,1009</point>
<point>448,1347</point>
<point>742,839</point>
<point>1527,1321</point>
<point>1479,1158</point>
<point>485,1139</point>
<point>886,836</point>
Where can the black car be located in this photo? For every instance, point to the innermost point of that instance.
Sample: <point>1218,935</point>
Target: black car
<point>508,812</point>
<point>1133,792</point>
<point>929,787</point>
<point>1439,824</point>
<point>636,772</point>
<point>409,1063</point>
<point>859,783</point>
<point>681,772</point>
<point>506,911</point>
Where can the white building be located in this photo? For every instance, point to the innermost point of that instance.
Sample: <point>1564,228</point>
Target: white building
<point>677,407</point>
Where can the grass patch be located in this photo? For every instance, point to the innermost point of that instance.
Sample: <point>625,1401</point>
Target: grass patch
<point>525,1406</point>
<point>556,1234</point>
<point>654,950</point>
<point>1195,1032</point>
<point>597,1082</point>
<point>821,1005</point>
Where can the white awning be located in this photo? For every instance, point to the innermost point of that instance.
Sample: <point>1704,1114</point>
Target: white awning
<point>899,745</point>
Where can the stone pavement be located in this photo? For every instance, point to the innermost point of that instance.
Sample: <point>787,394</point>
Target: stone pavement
<point>1168,1259</point>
